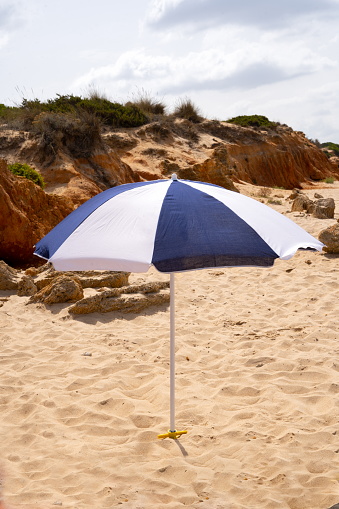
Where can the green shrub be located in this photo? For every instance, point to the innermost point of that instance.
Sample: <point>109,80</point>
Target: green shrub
<point>24,170</point>
<point>9,113</point>
<point>251,121</point>
<point>115,114</point>
<point>329,180</point>
<point>187,110</point>
<point>112,114</point>
<point>331,146</point>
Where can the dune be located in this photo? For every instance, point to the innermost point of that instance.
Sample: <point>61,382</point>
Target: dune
<point>84,397</point>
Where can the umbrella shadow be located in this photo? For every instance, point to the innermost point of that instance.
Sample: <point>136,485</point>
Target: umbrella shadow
<point>98,317</point>
<point>181,447</point>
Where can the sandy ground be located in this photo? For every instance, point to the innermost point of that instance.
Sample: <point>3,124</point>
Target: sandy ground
<point>257,389</point>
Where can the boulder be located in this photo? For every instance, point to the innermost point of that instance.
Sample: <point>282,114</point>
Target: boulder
<point>302,203</point>
<point>330,237</point>
<point>324,208</point>
<point>9,278</point>
<point>61,289</point>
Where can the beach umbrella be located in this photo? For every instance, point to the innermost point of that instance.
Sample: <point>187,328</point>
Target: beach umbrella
<point>174,225</point>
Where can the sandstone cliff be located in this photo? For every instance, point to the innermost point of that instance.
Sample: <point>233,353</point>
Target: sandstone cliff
<point>210,151</point>
<point>27,213</point>
<point>217,151</point>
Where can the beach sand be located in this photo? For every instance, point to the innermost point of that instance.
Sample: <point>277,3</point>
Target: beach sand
<point>257,388</point>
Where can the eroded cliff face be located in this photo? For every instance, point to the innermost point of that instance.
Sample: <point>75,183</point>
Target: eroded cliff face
<point>214,152</point>
<point>285,161</point>
<point>77,178</point>
<point>27,213</point>
<point>223,153</point>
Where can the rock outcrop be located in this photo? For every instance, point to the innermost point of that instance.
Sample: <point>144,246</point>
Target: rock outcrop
<point>44,275</point>
<point>283,159</point>
<point>63,288</point>
<point>278,157</point>
<point>27,213</point>
<point>113,293</point>
<point>26,286</point>
<point>9,278</point>
<point>130,299</point>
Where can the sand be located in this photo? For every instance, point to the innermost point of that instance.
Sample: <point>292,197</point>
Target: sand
<point>83,399</point>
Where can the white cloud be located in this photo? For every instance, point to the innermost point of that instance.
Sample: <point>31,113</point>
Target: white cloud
<point>202,14</point>
<point>10,20</point>
<point>246,65</point>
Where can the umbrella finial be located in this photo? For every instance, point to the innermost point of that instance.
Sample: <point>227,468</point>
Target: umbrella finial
<point>174,176</point>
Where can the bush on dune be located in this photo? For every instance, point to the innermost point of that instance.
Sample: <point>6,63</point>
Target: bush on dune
<point>186,109</point>
<point>24,170</point>
<point>252,121</point>
<point>110,113</point>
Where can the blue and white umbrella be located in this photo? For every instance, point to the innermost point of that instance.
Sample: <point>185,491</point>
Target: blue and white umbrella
<point>174,225</point>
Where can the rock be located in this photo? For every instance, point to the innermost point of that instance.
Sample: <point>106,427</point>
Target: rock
<point>43,269</point>
<point>215,170</point>
<point>88,279</point>
<point>294,194</point>
<point>130,299</point>
<point>9,278</point>
<point>277,158</point>
<point>61,289</point>
<point>317,195</point>
<point>335,506</point>
<point>330,237</point>
<point>27,213</point>
<point>301,203</point>
<point>26,286</point>
<point>324,208</point>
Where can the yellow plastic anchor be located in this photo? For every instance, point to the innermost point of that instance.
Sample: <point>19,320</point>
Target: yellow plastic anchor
<point>172,434</point>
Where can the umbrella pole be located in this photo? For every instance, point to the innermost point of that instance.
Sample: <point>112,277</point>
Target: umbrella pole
<point>172,352</point>
<point>172,433</point>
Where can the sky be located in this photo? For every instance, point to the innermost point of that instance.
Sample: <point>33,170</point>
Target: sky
<point>277,58</point>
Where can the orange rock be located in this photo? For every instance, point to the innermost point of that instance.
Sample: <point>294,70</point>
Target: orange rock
<point>27,213</point>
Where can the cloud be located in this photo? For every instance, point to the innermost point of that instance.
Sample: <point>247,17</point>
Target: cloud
<point>210,69</point>
<point>8,12</point>
<point>5,15</point>
<point>202,14</point>
<point>10,20</point>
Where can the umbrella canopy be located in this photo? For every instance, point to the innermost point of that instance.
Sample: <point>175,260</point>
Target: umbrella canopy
<point>175,225</point>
